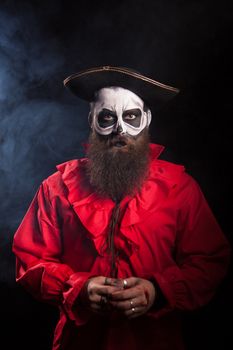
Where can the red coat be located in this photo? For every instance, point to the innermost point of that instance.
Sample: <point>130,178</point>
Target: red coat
<point>167,234</point>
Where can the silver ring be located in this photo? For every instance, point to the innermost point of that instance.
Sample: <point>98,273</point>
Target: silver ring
<point>125,284</point>
<point>133,310</point>
<point>131,302</point>
<point>106,282</point>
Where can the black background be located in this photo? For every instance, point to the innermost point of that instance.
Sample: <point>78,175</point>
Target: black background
<point>186,44</point>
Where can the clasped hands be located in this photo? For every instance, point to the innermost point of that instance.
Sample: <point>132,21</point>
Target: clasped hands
<point>131,297</point>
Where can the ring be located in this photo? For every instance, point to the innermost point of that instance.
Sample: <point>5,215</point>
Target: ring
<point>125,283</point>
<point>106,282</point>
<point>133,310</point>
<point>131,302</point>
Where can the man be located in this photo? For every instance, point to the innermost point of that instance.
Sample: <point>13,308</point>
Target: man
<point>120,241</point>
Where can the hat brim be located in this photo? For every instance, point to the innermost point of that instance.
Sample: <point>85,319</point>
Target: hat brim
<point>85,83</point>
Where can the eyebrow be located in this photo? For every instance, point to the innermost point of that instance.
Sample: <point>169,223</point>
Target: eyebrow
<point>135,111</point>
<point>106,110</point>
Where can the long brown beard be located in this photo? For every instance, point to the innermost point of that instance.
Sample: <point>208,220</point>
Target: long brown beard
<point>117,171</point>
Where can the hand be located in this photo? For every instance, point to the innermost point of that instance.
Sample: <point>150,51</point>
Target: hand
<point>96,291</point>
<point>136,299</point>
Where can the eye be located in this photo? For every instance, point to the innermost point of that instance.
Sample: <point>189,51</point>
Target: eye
<point>130,117</point>
<point>108,118</point>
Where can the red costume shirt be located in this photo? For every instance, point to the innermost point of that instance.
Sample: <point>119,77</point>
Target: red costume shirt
<point>166,233</point>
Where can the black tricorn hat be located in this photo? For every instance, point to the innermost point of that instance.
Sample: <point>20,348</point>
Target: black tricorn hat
<point>85,83</point>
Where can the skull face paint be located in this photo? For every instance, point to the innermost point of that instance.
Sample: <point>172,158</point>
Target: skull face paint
<point>120,111</point>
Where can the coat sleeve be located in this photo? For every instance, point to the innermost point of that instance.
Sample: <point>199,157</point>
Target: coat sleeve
<point>38,248</point>
<point>201,255</point>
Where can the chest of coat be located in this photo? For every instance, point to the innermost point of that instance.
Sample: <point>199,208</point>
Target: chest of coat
<point>151,240</point>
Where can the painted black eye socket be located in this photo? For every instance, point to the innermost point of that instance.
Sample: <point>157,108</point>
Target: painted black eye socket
<point>133,117</point>
<point>106,118</point>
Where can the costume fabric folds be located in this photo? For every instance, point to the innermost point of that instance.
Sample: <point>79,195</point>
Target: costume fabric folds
<point>166,233</point>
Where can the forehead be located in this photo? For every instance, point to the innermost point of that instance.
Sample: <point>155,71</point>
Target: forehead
<point>112,97</point>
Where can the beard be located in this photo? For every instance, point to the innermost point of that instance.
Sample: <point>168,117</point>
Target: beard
<point>117,164</point>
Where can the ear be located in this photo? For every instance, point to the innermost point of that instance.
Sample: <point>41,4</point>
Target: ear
<point>149,117</point>
<point>90,115</point>
<point>90,119</point>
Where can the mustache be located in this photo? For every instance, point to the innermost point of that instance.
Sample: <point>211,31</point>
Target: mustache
<point>118,139</point>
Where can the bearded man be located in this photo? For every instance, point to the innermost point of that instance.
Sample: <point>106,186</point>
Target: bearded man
<point>120,241</point>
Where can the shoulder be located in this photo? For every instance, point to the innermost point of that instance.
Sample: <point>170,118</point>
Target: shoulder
<point>175,177</point>
<point>163,169</point>
<point>167,171</point>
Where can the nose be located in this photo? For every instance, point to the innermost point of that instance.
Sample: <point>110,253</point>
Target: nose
<point>118,129</point>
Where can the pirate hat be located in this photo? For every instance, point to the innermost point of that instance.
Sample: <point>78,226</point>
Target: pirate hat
<point>85,83</point>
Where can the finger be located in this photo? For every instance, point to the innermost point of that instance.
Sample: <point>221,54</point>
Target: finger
<point>103,300</point>
<point>96,289</point>
<point>109,281</point>
<point>102,280</point>
<point>115,282</point>
<point>97,309</point>
<point>130,293</point>
<point>101,305</point>
<point>98,280</point>
<point>130,282</point>
<point>122,283</point>
<point>129,303</point>
<point>134,315</point>
<point>135,312</point>
<point>97,295</point>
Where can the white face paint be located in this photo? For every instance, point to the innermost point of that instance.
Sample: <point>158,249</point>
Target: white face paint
<point>117,110</point>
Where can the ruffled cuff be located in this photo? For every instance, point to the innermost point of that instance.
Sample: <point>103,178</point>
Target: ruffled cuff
<point>53,278</point>
<point>74,309</point>
<point>45,281</point>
